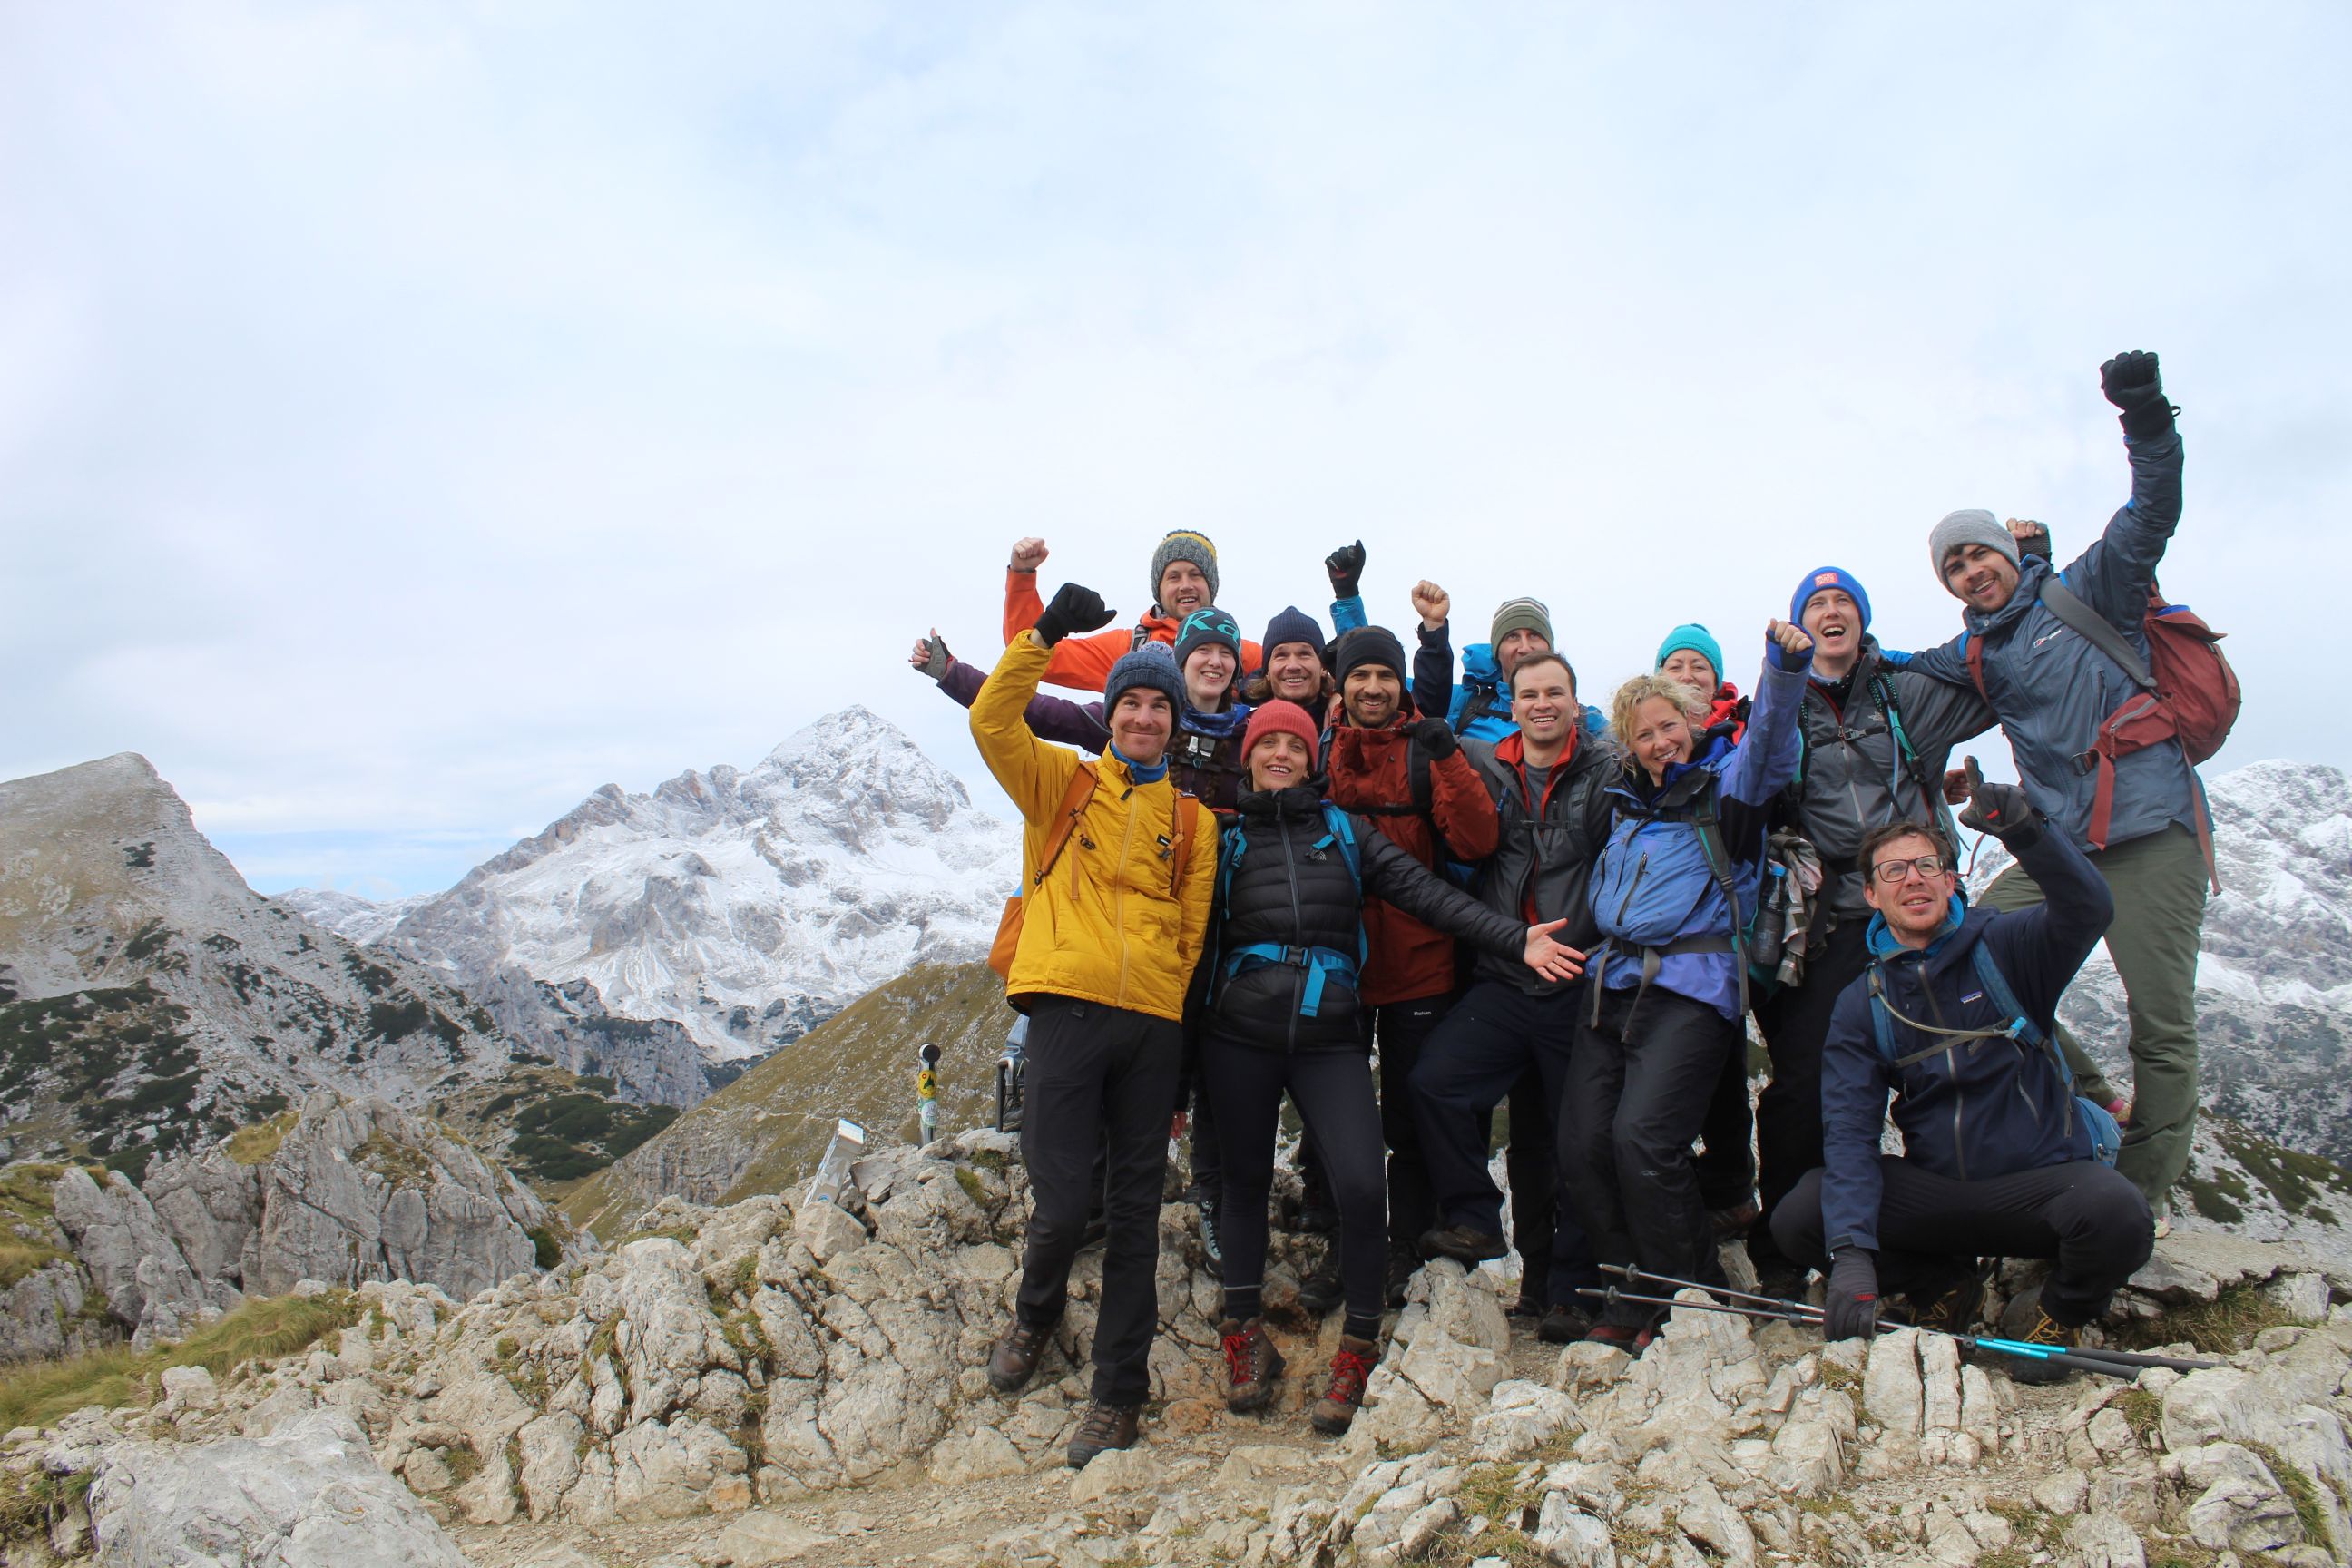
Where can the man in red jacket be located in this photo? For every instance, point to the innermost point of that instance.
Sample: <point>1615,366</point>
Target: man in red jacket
<point>1183,579</point>
<point>1409,776</point>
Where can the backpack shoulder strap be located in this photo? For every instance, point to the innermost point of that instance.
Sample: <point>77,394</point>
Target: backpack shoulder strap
<point>1704,819</point>
<point>2097,629</point>
<point>1188,823</point>
<point>1074,806</point>
<point>1342,830</point>
<point>1883,1017</point>
<point>1976,666</point>
<point>1996,985</point>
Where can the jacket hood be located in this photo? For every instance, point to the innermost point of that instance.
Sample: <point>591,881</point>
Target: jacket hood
<point>1478,664</point>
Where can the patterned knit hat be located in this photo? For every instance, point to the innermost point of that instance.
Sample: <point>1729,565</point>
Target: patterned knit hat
<point>1521,614</point>
<point>1153,667</point>
<point>1202,627</point>
<point>1183,544</point>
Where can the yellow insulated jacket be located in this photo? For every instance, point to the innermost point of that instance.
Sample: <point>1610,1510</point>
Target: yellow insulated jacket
<point>1108,924</point>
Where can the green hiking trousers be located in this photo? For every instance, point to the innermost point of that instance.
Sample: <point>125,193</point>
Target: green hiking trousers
<point>2159,883</point>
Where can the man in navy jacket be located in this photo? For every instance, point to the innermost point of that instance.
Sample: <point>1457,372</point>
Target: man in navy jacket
<point>1997,1156</point>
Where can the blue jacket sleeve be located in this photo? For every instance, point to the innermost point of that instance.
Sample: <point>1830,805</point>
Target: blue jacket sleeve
<point>2112,575</point>
<point>1049,718</point>
<point>1764,762</point>
<point>1433,674</point>
<point>2040,948</point>
<point>1853,1114</point>
<point>1347,615</point>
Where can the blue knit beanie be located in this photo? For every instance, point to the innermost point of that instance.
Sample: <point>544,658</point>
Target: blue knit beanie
<point>1152,666</point>
<point>1700,641</point>
<point>1292,625</point>
<point>1821,577</point>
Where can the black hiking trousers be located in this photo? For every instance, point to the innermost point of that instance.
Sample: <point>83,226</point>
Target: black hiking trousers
<point>1795,1021</point>
<point>1098,1078</point>
<point>1634,1103</point>
<point>1333,1092</point>
<point>1499,1042</point>
<point>2086,1217</point>
<point>1402,1029</point>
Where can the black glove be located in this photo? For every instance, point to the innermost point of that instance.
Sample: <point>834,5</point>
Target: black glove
<point>1074,609</point>
<point>1436,737</point>
<point>1345,565</point>
<point>2131,383</point>
<point>1999,809</point>
<point>2037,544</point>
<point>1850,1302</point>
<point>935,664</point>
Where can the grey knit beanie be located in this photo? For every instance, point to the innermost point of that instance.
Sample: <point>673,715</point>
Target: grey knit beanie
<point>1153,666</point>
<point>1184,544</point>
<point>1519,615</point>
<point>1972,525</point>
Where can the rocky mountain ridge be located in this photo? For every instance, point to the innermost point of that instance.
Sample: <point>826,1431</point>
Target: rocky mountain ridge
<point>763,1382</point>
<point>149,999</point>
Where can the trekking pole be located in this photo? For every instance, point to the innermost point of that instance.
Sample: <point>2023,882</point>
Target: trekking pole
<point>1611,1295</point>
<point>1802,1313</point>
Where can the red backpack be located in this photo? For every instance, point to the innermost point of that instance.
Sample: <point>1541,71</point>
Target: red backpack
<point>2191,695</point>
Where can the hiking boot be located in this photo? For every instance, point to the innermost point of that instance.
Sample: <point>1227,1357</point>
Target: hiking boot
<point>1737,1220</point>
<point>1463,1245</point>
<point>1252,1363</point>
<point>1320,1292</point>
<point>2046,1330</point>
<point>1620,1336</point>
<point>1012,1360</point>
<point>1103,1428</point>
<point>1211,1244</point>
<point>1402,1266</point>
<point>1563,1325</point>
<point>1528,1305</point>
<point>1344,1394</point>
<point>1952,1309</point>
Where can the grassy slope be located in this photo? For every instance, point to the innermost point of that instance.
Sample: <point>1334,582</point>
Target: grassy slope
<point>859,1064</point>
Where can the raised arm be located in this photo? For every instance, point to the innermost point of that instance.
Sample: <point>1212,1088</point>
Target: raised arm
<point>1766,758</point>
<point>1394,877</point>
<point>2040,948</point>
<point>2112,575</point>
<point>1032,771</point>
<point>1022,605</point>
<point>1433,661</point>
<point>1058,719</point>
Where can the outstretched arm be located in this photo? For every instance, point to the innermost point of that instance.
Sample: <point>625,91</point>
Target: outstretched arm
<point>1766,758</point>
<point>1433,661</point>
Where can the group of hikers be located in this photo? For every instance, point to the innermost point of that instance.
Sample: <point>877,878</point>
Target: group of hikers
<point>1276,860</point>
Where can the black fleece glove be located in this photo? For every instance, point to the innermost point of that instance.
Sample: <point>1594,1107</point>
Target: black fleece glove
<point>1074,609</point>
<point>1850,1302</point>
<point>2000,809</point>
<point>1345,565</point>
<point>938,659</point>
<point>1436,737</point>
<point>2132,383</point>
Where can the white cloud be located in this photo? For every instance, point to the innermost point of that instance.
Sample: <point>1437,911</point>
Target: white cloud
<point>410,420</point>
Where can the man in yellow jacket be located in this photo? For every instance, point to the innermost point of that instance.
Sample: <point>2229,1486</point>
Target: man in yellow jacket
<point>1109,938</point>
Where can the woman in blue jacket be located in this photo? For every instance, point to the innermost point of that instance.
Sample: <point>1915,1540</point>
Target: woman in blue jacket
<point>1669,993</point>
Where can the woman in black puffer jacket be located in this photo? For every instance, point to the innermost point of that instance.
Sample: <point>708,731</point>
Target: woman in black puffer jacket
<point>1284,1015</point>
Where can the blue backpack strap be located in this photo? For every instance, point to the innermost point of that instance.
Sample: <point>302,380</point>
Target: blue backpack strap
<point>1996,985</point>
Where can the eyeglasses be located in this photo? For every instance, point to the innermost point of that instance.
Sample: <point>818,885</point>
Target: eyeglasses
<point>1930,868</point>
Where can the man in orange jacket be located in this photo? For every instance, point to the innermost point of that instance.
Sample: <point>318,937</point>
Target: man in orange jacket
<point>1183,579</point>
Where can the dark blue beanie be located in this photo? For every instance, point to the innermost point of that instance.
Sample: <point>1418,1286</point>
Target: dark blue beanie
<point>1821,577</point>
<point>1293,624</point>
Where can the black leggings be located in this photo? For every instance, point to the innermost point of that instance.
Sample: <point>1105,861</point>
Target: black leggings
<point>1333,1092</point>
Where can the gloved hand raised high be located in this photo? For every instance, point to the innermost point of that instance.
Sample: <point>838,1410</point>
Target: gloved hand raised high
<point>1074,609</point>
<point>932,656</point>
<point>1345,566</point>
<point>2131,382</point>
<point>1850,1300</point>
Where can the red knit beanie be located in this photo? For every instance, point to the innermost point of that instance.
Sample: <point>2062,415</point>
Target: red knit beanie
<point>1280,716</point>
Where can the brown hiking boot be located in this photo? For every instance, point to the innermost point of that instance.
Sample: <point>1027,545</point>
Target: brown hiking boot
<point>1252,1363</point>
<point>2046,1330</point>
<point>1101,1429</point>
<point>1952,1309</point>
<point>1345,1393</point>
<point>1012,1360</point>
<point>1465,1246</point>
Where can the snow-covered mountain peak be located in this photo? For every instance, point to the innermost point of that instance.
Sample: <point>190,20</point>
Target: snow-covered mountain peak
<point>743,904</point>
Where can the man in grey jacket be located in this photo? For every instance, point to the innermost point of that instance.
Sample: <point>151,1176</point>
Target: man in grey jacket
<point>2052,688</point>
<point>1876,735</point>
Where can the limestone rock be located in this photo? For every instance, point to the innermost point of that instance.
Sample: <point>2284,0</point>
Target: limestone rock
<point>760,1539</point>
<point>1891,1390</point>
<point>1572,1537</point>
<point>310,1495</point>
<point>1451,1375</point>
<point>45,1315</point>
<point>1523,1417</point>
<point>1119,1470</point>
<point>149,1287</point>
<point>2104,1541</point>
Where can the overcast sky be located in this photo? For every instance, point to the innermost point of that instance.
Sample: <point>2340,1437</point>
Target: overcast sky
<point>415,416</point>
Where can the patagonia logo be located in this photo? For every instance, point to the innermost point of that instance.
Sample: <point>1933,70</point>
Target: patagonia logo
<point>1971,996</point>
